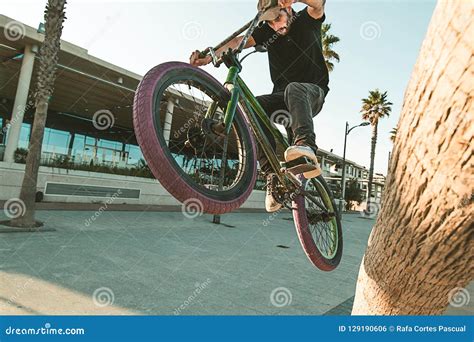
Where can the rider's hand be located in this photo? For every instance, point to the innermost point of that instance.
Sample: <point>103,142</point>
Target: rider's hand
<point>195,60</point>
<point>285,3</point>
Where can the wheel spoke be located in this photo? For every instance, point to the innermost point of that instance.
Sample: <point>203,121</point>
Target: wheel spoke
<point>203,161</point>
<point>321,226</point>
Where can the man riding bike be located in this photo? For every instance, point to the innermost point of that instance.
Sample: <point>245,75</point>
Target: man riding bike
<point>299,75</point>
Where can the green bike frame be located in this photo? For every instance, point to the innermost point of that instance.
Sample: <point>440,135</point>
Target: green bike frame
<point>240,93</point>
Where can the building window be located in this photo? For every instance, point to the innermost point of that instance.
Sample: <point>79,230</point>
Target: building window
<point>134,154</point>
<point>78,148</point>
<point>55,142</point>
<point>2,130</point>
<point>24,140</point>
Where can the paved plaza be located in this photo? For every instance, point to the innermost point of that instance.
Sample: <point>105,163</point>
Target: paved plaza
<point>162,263</point>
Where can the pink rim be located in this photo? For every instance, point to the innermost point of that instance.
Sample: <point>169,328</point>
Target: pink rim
<point>154,154</point>
<point>306,238</point>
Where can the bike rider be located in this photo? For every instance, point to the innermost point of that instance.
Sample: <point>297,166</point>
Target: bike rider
<point>299,75</point>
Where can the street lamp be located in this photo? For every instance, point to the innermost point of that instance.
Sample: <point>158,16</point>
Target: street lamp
<point>344,164</point>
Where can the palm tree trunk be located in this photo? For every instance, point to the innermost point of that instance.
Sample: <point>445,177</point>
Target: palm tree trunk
<point>28,188</point>
<point>372,160</point>
<point>421,249</point>
<point>48,60</point>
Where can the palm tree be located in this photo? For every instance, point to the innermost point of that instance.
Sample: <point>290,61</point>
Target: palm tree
<point>374,108</point>
<point>393,134</point>
<point>48,59</point>
<point>328,41</point>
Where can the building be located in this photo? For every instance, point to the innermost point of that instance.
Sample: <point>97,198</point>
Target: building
<point>81,160</point>
<point>331,165</point>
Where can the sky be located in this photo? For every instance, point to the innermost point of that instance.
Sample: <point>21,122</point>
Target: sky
<point>380,42</point>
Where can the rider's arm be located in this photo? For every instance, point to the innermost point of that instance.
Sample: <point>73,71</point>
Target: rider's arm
<point>233,44</point>
<point>315,7</point>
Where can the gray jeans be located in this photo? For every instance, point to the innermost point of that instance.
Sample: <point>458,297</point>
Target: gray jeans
<point>295,108</point>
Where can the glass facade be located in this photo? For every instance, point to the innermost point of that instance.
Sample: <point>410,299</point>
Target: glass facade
<point>2,131</point>
<point>101,154</point>
<point>82,149</point>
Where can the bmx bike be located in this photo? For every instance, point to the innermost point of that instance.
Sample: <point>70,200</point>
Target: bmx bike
<point>199,138</point>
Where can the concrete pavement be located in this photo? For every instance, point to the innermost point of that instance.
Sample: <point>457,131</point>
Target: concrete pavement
<point>162,263</point>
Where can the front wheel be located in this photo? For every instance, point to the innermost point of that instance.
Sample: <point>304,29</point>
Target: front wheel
<point>212,173</point>
<point>318,226</point>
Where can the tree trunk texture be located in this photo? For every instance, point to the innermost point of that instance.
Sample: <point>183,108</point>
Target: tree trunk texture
<point>28,187</point>
<point>48,60</point>
<point>422,245</point>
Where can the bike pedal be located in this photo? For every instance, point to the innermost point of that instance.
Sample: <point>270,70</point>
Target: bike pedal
<point>297,162</point>
<point>300,165</point>
<point>301,169</point>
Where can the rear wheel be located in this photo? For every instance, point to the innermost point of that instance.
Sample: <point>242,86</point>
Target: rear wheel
<point>215,173</point>
<point>318,226</point>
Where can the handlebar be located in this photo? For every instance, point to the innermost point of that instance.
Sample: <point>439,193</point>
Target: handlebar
<point>250,27</point>
<point>205,52</point>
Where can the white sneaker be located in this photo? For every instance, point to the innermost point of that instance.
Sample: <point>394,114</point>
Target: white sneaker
<point>271,204</point>
<point>308,170</point>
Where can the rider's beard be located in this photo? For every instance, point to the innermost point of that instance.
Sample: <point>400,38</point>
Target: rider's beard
<point>283,31</point>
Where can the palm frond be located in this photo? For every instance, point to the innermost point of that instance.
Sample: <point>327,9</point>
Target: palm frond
<point>393,134</point>
<point>328,41</point>
<point>376,106</point>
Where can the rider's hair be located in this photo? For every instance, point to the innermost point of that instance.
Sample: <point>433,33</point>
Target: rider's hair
<point>289,13</point>
<point>290,16</point>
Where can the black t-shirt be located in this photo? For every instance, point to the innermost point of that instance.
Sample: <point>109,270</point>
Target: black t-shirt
<point>296,57</point>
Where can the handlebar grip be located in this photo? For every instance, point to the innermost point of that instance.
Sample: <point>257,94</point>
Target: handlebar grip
<point>204,53</point>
